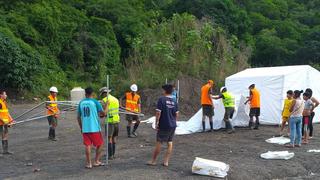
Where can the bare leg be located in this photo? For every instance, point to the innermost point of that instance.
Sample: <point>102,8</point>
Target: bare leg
<point>203,123</point>
<point>98,154</point>
<point>155,154</point>
<point>88,156</point>
<point>168,154</point>
<point>283,124</point>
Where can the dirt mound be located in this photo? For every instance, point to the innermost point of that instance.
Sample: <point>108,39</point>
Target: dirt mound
<point>189,101</point>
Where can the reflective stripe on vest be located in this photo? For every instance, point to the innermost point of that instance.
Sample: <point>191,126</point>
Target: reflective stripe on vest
<point>132,102</point>
<point>228,100</point>
<point>4,113</point>
<point>113,109</point>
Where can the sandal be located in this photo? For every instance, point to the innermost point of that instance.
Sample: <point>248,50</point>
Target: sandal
<point>165,165</point>
<point>88,166</point>
<point>289,146</point>
<point>99,164</point>
<point>151,164</point>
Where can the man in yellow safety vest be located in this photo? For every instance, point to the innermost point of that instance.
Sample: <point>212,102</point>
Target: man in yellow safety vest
<point>111,106</point>
<point>5,121</point>
<point>52,112</point>
<point>229,105</point>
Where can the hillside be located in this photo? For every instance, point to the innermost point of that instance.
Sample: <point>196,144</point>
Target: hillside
<point>71,43</point>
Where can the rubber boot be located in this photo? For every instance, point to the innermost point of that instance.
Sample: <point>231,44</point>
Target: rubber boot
<point>50,133</point>
<point>129,131</point>
<point>256,127</point>
<point>6,147</point>
<point>211,126</point>
<point>135,127</point>
<point>54,135</point>
<point>250,125</point>
<point>203,126</point>
<point>110,151</point>
<point>113,149</point>
<point>230,127</point>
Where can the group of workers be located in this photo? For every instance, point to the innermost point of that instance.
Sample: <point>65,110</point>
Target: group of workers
<point>228,100</point>
<point>299,113</point>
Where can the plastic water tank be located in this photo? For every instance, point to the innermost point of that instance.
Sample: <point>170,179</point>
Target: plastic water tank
<point>77,94</point>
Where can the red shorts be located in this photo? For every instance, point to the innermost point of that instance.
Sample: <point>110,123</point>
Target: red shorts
<point>92,138</point>
<point>306,120</point>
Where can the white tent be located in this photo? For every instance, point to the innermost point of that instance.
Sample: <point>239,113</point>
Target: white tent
<point>273,83</point>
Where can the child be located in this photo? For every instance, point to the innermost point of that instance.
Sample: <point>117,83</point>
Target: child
<point>286,111</point>
<point>308,106</point>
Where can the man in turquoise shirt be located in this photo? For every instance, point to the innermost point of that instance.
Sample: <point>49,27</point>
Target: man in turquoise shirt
<point>89,111</point>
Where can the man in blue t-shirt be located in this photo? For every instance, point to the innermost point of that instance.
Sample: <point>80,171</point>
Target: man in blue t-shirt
<point>166,117</point>
<point>89,111</point>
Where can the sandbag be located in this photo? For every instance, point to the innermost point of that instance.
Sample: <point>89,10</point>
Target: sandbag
<point>314,150</point>
<point>278,140</point>
<point>284,155</point>
<point>210,168</point>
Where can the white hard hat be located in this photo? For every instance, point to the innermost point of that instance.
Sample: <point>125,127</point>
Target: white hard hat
<point>222,88</point>
<point>105,90</point>
<point>134,88</point>
<point>53,89</point>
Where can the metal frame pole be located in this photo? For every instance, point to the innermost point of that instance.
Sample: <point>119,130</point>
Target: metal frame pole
<point>29,111</point>
<point>106,126</point>
<point>166,80</point>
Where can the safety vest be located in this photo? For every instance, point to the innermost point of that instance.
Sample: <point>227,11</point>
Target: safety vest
<point>132,102</point>
<point>4,113</point>
<point>205,99</point>
<point>228,100</point>
<point>255,101</point>
<point>113,109</point>
<point>52,106</point>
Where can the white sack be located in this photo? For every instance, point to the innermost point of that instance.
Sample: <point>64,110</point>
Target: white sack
<point>278,140</point>
<point>210,168</point>
<point>284,155</point>
<point>314,150</point>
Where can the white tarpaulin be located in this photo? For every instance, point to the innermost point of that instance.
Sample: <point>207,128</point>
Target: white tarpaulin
<point>273,83</point>
<point>240,119</point>
<point>283,155</point>
<point>210,168</point>
<point>278,140</point>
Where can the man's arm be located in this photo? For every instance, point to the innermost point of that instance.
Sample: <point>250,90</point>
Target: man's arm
<point>139,105</point>
<point>210,95</point>
<point>122,99</point>
<point>292,105</point>
<point>315,103</point>
<point>249,98</point>
<point>79,122</point>
<point>217,96</point>
<point>158,114</point>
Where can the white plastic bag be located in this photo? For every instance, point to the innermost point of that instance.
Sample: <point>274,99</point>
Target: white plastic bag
<point>210,168</point>
<point>284,155</point>
<point>278,140</point>
<point>314,150</point>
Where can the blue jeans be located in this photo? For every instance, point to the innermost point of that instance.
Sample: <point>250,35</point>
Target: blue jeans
<point>295,130</point>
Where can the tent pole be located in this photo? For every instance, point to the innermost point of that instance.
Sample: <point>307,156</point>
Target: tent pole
<point>166,80</point>
<point>106,126</point>
<point>29,110</point>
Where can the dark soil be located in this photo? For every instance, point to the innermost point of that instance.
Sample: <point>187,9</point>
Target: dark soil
<point>65,158</point>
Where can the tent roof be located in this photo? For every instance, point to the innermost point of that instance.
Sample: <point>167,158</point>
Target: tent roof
<point>271,71</point>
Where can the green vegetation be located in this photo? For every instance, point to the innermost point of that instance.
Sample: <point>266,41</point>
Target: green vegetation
<point>71,43</point>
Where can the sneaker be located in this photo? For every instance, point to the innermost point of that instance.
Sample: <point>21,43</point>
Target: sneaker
<point>54,139</point>
<point>7,153</point>
<point>256,128</point>
<point>231,131</point>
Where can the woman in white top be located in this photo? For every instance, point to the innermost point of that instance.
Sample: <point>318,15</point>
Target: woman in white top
<point>295,120</point>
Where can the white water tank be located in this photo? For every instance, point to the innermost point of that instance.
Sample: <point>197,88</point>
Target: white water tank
<point>77,94</point>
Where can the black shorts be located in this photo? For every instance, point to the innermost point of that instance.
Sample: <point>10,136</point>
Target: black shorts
<point>130,117</point>
<point>3,129</point>
<point>165,135</point>
<point>113,130</point>
<point>52,120</point>
<point>229,111</point>
<point>254,112</point>
<point>207,110</point>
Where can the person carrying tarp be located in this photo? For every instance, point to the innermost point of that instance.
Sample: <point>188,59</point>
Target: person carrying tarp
<point>254,101</point>
<point>52,112</point>
<point>207,104</point>
<point>229,105</point>
<point>111,106</point>
<point>6,121</point>
<point>132,104</point>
